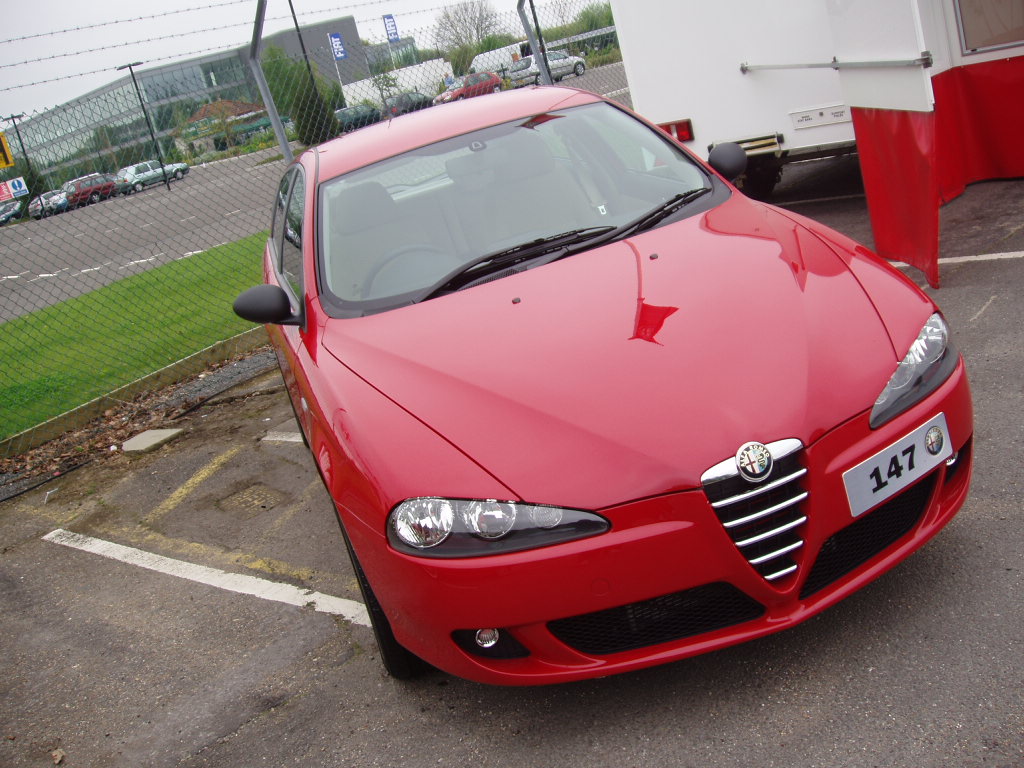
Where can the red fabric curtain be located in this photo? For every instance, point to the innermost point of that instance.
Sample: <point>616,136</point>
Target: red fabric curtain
<point>913,161</point>
<point>897,160</point>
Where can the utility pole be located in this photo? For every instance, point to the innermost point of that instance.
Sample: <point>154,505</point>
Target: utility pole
<point>149,123</point>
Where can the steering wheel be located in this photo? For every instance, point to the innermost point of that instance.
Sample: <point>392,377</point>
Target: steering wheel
<point>412,281</point>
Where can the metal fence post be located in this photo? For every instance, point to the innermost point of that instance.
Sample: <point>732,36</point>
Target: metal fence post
<point>261,82</point>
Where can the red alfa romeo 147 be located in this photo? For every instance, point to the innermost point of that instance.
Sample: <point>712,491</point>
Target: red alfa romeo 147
<point>581,406</point>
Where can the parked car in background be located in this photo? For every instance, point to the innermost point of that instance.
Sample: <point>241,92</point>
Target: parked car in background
<point>402,103</point>
<point>539,483</point>
<point>137,177</point>
<point>356,116</point>
<point>561,64</point>
<point>10,211</point>
<point>47,204</point>
<point>89,189</point>
<point>475,84</point>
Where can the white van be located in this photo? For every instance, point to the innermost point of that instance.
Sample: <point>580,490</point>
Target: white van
<point>498,61</point>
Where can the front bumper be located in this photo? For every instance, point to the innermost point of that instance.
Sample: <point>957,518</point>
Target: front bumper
<point>667,582</point>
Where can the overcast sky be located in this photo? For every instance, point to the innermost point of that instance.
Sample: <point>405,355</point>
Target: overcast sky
<point>48,46</point>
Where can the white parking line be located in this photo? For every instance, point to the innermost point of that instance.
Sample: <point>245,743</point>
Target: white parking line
<point>214,577</point>
<point>282,437</point>
<point>982,257</point>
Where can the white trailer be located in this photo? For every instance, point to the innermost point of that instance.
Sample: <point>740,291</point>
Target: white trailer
<point>928,92</point>
<point>684,64</point>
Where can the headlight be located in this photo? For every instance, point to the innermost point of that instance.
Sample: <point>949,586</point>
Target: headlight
<point>930,361</point>
<point>436,527</point>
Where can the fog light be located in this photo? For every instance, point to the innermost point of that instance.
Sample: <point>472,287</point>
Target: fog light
<point>952,459</point>
<point>487,638</point>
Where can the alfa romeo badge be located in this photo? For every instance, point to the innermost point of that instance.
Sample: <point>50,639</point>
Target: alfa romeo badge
<point>754,461</point>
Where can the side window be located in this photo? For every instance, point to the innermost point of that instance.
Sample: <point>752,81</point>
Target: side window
<point>277,228</point>
<point>291,246</point>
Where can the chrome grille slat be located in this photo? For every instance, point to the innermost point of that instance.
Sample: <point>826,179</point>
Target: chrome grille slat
<point>780,574</point>
<point>766,512</point>
<point>774,532</point>
<point>759,490</point>
<point>763,519</point>
<point>777,553</point>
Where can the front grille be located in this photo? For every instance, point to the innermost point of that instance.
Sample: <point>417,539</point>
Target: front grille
<point>858,542</point>
<point>658,620</point>
<point>764,520</point>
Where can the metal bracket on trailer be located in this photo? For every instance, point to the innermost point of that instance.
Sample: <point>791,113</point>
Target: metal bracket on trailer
<point>924,60</point>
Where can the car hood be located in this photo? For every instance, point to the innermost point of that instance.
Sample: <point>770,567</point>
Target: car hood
<point>628,370</point>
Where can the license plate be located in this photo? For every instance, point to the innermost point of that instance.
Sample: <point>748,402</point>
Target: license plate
<point>899,465</point>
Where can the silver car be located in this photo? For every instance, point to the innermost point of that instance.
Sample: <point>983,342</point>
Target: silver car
<point>561,64</point>
<point>137,177</point>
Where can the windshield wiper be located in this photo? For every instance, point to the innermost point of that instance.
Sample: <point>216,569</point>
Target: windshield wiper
<point>664,210</point>
<point>490,263</point>
<point>646,221</point>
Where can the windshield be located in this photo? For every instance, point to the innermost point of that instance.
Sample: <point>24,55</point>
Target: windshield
<point>392,230</point>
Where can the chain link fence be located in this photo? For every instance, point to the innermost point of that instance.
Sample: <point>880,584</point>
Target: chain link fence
<point>149,200</point>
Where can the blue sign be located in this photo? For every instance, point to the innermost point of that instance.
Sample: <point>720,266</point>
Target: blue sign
<point>391,27</point>
<point>337,46</point>
<point>18,188</point>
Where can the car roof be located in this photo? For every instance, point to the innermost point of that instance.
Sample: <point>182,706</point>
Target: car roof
<point>428,126</point>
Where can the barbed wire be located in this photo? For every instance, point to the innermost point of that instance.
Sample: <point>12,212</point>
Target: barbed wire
<point>108,69</point>
<point>100,24</point>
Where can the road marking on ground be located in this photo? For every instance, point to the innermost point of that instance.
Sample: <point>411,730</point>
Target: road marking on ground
<point>232,213</point>
<point>282,437</point>
<point>13,277</point>
<point>138,261</point>
<point>214,577</point>
<point>187,219</point>
<point>95,269</point>
<point>48,274</point>
<point>981,311</point>
<point>190,485</point>
<point>982,257</point>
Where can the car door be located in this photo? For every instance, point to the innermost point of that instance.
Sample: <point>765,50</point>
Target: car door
<point>286,257</point>
<point>559,64</point>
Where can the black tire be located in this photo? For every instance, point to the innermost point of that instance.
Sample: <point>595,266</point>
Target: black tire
<point>760,179</point>
<point>497,89</point>
<point>398,662</point>
<point>94,197</point>
<point>138,186</point>
<point>579,69</point>
<point>178,175</point>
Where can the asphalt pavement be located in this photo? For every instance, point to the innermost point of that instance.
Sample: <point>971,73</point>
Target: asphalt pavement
<point>193,605</point>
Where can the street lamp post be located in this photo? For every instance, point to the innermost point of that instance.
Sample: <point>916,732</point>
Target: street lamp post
<point>149,123</point>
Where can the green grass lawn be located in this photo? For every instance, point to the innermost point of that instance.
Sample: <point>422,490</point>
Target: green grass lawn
<point>65,355</point>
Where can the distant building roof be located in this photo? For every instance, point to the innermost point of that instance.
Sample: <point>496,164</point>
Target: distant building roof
<point>225,108</point>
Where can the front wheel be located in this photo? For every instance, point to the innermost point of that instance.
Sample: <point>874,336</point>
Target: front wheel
<point>94,197</point>
<point>497,89</point>
<point>579,69</point>
<point>178,175</point>
<point>137,186</point>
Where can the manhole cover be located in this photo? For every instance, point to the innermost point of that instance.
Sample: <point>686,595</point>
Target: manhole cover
<point>251,501</point>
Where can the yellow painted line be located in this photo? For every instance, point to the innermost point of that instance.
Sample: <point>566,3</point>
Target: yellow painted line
<point>190,485</point>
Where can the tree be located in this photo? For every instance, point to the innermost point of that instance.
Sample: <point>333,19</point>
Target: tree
<point>295,96</point>
<point>465,24</point>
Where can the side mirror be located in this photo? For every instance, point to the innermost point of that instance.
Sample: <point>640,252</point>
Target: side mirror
<point>266,304</point>
<point>728,159</point>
